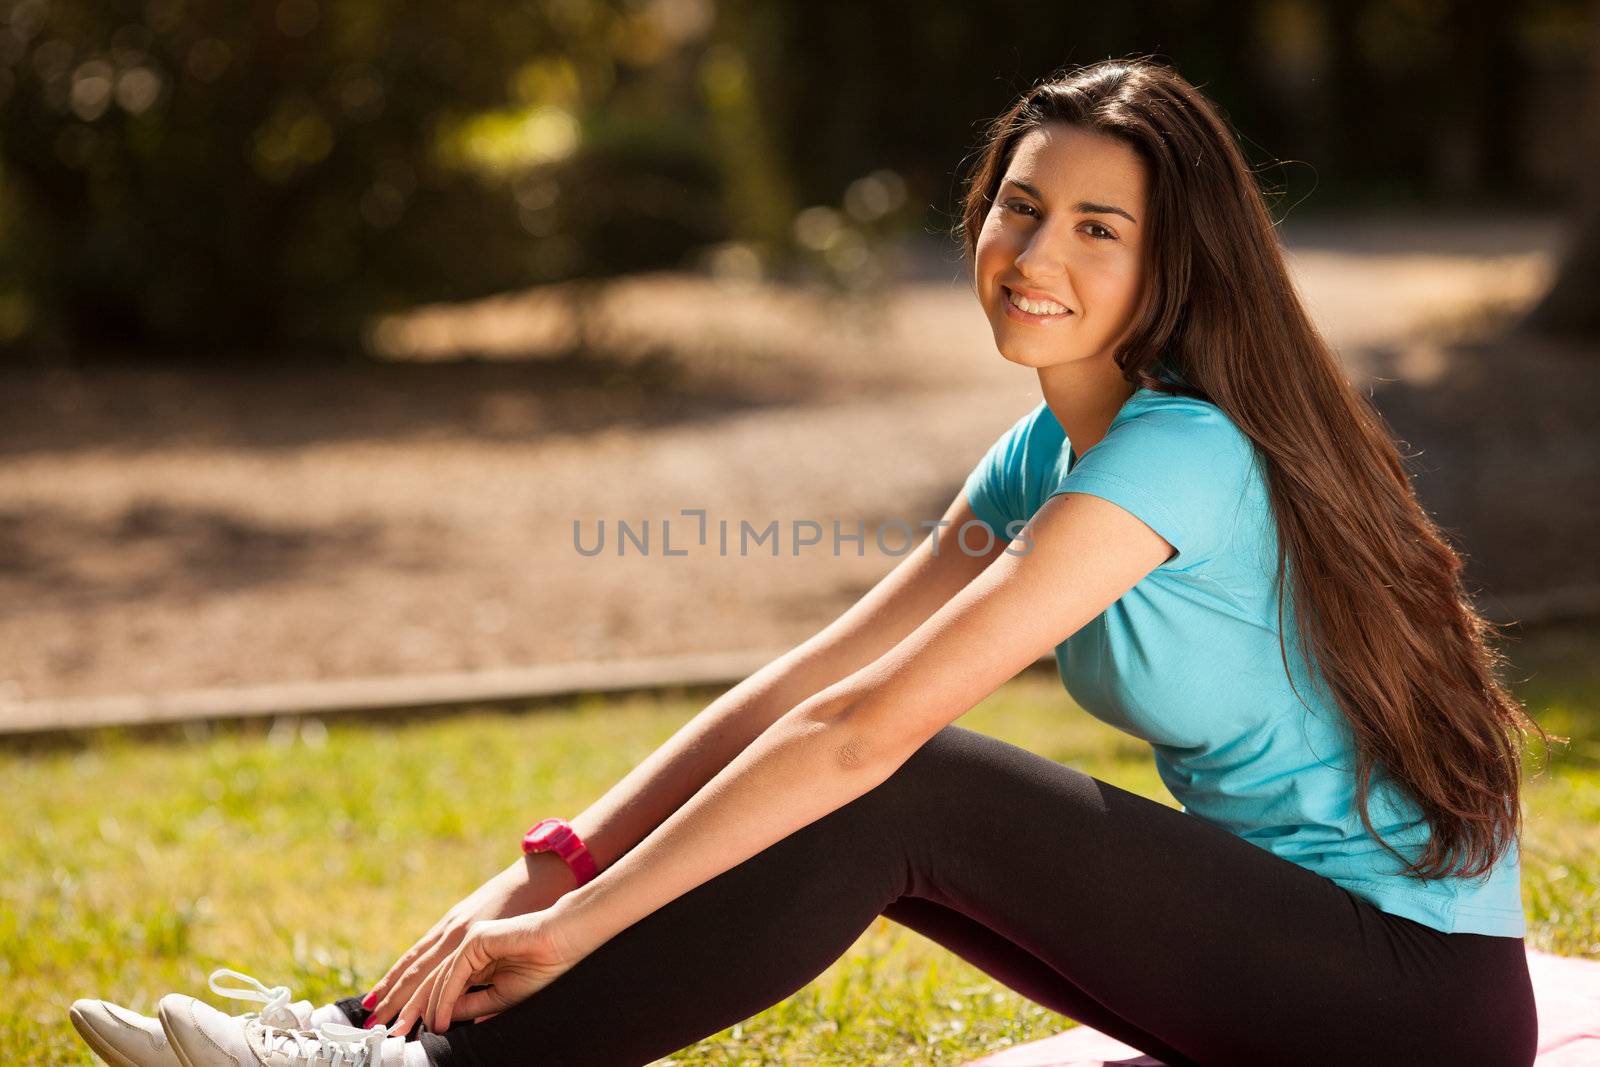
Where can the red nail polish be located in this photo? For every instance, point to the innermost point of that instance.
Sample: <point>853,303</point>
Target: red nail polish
<point>369,1024</point>
<point>370,1001</point>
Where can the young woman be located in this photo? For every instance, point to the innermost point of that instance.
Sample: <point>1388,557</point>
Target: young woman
<point>1215,533</point>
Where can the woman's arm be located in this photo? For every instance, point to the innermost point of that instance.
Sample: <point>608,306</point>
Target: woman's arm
<point>1084,554</point>
<point>664,781</point>
<point>842,742</point>
<point>928,577</point>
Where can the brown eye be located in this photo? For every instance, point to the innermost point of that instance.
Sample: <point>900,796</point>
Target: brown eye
<point>1014,204</point>
<point>1104,235</point>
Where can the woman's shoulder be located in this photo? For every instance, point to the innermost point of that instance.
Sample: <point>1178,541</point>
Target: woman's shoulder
<point>1155,406</point>
<point>1182,427</point>
<point>1180,464</point>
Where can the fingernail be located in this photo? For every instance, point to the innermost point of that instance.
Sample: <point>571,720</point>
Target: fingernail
<point>369,1024</point>
<point>370,1001</point>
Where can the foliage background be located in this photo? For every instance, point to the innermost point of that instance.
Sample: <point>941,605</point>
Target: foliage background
<point>226,178</point>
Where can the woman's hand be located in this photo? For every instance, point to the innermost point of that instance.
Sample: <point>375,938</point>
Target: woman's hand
<point>514,957</point>
<point>530,884</point>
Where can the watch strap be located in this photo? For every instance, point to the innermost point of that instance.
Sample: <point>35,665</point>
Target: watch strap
<point>557,835</point>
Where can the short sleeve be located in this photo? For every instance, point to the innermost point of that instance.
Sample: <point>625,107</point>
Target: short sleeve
<point>1180,466</point>
<point>994,487</point>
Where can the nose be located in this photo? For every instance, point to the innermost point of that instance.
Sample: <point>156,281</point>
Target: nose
<point>1043,257</point>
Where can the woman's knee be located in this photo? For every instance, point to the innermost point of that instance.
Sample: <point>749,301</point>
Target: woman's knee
<point>930,767</point>
<point>955,765</point>
<point>956,756</point>
<point>952,746</point>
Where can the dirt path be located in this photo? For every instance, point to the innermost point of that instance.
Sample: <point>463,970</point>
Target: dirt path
<point>162,531</point>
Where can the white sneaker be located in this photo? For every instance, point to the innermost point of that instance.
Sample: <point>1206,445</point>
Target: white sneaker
<point>125,1038</point>
<point>202,1036</point>
<point>121,1037</point>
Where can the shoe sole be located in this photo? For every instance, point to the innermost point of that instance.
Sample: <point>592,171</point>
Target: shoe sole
<point>102,1048</point>
<point>172,1043</point>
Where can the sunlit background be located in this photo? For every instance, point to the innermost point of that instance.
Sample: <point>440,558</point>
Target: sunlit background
<point>331,333</point>
<point>323,324</point>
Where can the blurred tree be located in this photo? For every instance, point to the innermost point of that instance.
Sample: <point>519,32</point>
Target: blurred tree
<point>249,173</point>
<point>758,188</point>
<point>1421,98</point>
<point>1572,306</point>
<point>225,175</point>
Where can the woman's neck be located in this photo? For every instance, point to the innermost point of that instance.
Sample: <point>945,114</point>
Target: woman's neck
<point>1084,401</point>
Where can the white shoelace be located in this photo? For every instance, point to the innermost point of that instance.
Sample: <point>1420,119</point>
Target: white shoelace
<point>329,1045</point>
<point>275,1001</point>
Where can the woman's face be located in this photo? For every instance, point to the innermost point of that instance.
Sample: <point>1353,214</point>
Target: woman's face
<point>1067,230</point>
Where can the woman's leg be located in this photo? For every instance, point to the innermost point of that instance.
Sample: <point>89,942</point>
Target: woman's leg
<point>1022,971</point>
<point>1210,948</point>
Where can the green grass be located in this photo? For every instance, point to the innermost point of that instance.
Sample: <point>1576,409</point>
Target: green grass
<point>313,855</point>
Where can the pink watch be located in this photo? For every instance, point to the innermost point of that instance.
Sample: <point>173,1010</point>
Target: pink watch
<point>558,836</point>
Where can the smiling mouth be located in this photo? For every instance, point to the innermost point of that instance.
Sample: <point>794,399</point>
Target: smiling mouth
<point>1013,309</point>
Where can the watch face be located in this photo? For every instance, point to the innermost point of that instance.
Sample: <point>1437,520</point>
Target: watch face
<point>546,836</point>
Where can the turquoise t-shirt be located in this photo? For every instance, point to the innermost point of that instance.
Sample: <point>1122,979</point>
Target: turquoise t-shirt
<point>1189,660</point>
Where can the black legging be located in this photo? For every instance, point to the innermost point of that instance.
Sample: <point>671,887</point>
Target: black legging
<point>1152,925</point>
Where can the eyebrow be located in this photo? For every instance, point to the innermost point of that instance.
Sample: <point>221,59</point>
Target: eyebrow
<point>1082,205</point>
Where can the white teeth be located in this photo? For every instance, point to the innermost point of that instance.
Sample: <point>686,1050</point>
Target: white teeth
<point>1040,307</point>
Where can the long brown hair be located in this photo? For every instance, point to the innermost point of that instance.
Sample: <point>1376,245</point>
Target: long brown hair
<point>1377,590</point>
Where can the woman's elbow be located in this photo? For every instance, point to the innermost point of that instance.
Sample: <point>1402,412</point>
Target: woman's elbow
<point>851,752</point>
<point>859,735</point>
<point>865,741</point>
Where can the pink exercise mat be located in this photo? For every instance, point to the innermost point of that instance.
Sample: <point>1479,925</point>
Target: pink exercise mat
<point>1567,991</point>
